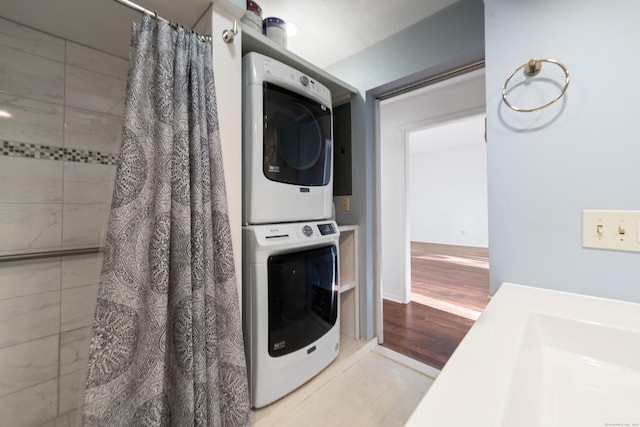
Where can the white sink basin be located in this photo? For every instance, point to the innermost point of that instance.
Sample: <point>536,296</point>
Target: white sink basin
<point>541,358</point>
<point>574,373</point>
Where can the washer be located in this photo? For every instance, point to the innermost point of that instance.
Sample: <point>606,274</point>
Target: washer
<point>291,307</point>
<point>287,144</point>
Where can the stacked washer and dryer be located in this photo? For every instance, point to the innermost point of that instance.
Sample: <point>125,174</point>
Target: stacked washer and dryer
<point>291,316</point>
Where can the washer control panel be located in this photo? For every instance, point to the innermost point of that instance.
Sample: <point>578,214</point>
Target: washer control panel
<point>324,229</point>
<point>302,231</point>
<point>327,228</point>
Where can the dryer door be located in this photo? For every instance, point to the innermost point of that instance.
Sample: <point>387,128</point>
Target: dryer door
<point>297,138</point>
<point>303,298</point>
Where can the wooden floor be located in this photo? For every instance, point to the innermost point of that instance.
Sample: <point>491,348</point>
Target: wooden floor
<point>455,279</point>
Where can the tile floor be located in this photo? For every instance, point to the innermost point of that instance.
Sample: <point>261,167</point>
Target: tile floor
<point>368,385</point>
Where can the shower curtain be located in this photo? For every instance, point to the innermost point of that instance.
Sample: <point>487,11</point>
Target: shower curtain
<point>166,345</point>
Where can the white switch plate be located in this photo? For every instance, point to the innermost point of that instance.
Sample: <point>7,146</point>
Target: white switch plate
<point>345,204</point>
<point>614,230</point>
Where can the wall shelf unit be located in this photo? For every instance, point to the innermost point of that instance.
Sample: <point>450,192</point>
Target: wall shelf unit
<point>349,282</point>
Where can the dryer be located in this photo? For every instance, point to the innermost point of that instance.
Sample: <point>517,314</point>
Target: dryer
<point>287,144</point>
<point>291,307</point>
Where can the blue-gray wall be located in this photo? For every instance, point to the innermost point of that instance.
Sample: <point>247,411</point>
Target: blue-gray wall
<point>449,39</point>
<point>581,153</point>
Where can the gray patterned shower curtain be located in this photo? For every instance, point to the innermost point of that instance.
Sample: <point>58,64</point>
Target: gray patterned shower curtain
<point>166,346</point>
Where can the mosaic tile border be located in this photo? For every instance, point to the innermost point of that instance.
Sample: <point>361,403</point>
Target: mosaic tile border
<point>46,152</point>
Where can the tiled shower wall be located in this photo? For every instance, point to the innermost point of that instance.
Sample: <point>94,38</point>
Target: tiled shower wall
<point>61,107</point>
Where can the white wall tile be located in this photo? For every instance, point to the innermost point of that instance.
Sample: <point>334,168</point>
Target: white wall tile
<point>29,317</point>
<point>31,76</point>
<point>31,121</point>
<point>24,180</point>
<point>75,416</point>
<point>53,423</point>
<point>84,225</point>
<point>74,349</point>
<point>25,365</point>
<point>81,270</point>
<point>30,227</point>
<point>19,278</point>
<point>32,192</point>
<point>93,131</point>
<point>94,91</point>
<point>31,41</point>
<point>78,307</point>
<point>60,421</point>
<point>71,391</point>
<point>88,183</point>
<point>32,406</point>
<point>95,60</point>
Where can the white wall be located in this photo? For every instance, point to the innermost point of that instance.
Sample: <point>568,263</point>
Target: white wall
<point>227,72</point>
<point>399,116</point>
<point>582,152</point>
<point>448,184</point>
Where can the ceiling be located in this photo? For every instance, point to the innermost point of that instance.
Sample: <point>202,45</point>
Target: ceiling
<point>330,30</point>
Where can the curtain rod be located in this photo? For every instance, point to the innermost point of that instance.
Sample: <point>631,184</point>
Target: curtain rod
<point>153,13</point>
<point>139,8</point>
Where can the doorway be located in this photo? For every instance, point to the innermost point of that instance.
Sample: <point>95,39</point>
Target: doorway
<point>433,220</point>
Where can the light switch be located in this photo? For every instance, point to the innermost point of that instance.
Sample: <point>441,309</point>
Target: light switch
<point>345,204</point>
<point>613,230</point>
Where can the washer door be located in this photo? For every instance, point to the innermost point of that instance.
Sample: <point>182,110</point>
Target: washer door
<point>303,298</point>
<point>297,138</point>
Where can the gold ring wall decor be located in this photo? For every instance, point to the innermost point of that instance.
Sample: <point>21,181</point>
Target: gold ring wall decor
<point>532,68</point>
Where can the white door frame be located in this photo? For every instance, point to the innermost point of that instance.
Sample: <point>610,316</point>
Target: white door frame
<point>432,119</point>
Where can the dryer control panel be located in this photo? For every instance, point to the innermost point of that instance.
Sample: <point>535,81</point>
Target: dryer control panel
<point>275,70</point>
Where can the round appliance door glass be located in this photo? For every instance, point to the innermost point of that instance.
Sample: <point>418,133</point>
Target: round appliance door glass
<point>297,138</point>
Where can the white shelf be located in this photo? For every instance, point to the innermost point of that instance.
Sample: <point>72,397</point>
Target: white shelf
<point>254,41</point>
<point>349,282</point>
<point>347,286</point>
